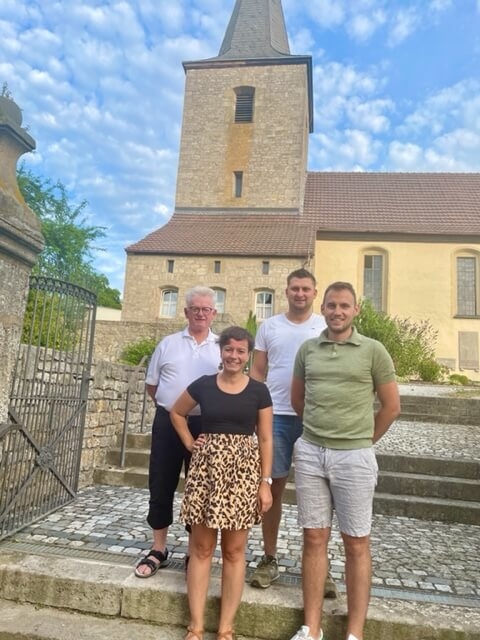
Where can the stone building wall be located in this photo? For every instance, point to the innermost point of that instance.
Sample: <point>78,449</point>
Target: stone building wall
<point>239,277</point>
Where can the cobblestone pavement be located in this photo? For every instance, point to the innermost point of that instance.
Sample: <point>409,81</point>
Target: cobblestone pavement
<point>412,559</point>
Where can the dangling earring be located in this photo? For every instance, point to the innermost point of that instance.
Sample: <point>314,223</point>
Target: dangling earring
<point>220,366</point>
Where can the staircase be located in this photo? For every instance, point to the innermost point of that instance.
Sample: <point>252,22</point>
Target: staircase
<point>415,487</point>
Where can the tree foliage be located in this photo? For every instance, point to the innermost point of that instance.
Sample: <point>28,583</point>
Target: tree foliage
<point>410,344</point>
<point>69,240</point>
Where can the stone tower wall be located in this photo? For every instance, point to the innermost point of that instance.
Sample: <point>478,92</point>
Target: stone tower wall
<point>271,151</point>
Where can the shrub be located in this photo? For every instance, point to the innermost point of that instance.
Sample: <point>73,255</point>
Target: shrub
<point>133,353</point>
<point>409,343</point>
<point>430,371</point>
<point>458,378</point>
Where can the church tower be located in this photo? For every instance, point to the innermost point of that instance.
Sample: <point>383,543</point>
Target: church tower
<point>246,119</point>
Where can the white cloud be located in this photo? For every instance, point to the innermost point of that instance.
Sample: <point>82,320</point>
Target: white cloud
<point>327,13</point>
<point>362,26</point>
<point>441,5</point>
<point>403,25</point>
<point>405,156</point>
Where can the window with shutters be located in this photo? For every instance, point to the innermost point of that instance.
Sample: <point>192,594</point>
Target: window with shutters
<point>244,100</point>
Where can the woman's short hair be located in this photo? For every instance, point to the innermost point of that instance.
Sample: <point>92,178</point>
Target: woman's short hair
<point>236,333</point>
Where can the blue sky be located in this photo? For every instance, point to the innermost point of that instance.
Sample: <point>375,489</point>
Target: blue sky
<point>100,83</point>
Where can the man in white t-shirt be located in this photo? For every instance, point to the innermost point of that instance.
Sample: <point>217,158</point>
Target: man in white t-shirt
<point>276,344</point>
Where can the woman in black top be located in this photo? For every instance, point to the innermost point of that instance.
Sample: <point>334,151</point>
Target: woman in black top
<point>228,484</point>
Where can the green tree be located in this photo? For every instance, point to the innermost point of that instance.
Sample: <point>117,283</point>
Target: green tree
<point>69,240</point>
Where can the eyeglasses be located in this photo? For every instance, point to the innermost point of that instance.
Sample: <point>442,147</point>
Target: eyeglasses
<point>203,310</point>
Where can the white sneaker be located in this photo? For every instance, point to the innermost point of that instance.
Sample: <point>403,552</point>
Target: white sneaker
<point>304,634</point>
<point>352,637</point>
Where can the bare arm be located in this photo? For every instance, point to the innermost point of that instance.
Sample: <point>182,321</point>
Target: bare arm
<point>259,365</point>
<point>178,415</point>
<point>389,398</point>
<point>265,444</point>
<point>151,389</point>
<point>298,396</point>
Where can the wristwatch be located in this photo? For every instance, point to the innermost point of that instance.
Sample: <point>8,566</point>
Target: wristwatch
<point>267,480</point>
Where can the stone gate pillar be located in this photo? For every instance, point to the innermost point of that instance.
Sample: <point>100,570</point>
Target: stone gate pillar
<point>20,243</point>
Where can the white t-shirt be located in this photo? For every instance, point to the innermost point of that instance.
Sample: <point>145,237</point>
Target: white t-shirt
<point>177,361</point>
<point>280,339</point>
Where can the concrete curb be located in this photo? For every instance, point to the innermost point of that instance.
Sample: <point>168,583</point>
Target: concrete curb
<point>103,589</point>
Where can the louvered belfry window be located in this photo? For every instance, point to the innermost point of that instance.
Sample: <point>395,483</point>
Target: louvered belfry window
<point>244,104</point>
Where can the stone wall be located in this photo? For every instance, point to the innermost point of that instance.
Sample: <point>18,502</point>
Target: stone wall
<point>111,385</point>
<point>112,337</point>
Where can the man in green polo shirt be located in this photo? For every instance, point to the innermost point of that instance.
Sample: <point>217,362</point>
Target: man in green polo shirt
<point>335,379</point>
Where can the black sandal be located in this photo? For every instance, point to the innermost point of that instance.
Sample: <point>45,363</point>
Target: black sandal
<point>153,566</point>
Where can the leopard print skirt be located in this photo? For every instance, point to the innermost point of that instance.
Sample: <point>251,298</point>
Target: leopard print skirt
<point>221,487</point>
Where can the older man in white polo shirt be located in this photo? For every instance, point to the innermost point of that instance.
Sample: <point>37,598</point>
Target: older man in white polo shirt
<point>178,360</point>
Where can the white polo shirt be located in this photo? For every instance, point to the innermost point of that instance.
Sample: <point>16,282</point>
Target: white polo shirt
<point>177,361</point>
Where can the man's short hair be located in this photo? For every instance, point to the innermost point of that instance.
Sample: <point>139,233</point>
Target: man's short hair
<point>340,286</point>
<point>199,291</point>
<point>301,273</point>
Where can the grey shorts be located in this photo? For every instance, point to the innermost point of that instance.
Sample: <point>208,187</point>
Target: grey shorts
<point>339,479</point>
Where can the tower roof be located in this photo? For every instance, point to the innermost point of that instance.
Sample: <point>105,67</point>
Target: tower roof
<point>256,30</point>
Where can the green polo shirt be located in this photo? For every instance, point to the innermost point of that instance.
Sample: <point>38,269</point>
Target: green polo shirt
<point>340,380</point>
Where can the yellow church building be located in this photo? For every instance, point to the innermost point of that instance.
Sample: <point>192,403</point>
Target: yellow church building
<point>248,211</point>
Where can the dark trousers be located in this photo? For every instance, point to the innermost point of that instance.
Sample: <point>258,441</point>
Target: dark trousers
<point>166,458</point>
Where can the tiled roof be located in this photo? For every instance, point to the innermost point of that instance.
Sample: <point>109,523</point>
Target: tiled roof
<point>229,234</point>
<point>411,203</point>
<point>403,203</point>
<point>256,30</point>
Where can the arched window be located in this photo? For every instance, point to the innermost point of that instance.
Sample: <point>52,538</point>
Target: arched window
<point>467,271</point>
<point>263,305</point>
<point>219,300</point>
<point>244,98</point>
<point>374,277</point>
<point>168,305</point>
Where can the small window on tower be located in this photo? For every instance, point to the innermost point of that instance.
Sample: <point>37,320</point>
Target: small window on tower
<point>244,104</point>
<point>238,183</point>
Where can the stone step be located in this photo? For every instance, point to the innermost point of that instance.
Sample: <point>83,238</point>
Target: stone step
<point>414,506</point>
<point>417,484</point>
<point>46,597</point>
<point>446,467</point>
<point>470,469</point>
<point>28,622</point>
<point>427,508</point>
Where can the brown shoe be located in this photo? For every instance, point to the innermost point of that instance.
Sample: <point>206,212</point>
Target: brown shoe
<point>330,589</point>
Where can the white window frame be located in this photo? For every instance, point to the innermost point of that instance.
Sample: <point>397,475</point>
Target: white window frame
<point>168,303</point>
<point>264,304</point>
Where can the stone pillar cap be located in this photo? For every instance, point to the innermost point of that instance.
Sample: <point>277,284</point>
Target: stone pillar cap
<point>11,120</point>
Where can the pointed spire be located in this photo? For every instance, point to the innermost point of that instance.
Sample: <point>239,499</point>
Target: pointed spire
<point>256,30</point>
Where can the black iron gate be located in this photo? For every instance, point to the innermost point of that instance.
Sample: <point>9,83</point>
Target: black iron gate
<point>41,446</point>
